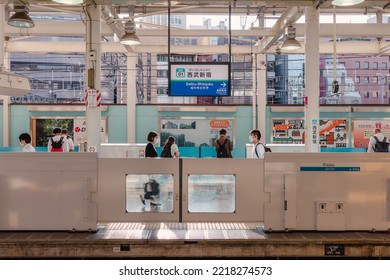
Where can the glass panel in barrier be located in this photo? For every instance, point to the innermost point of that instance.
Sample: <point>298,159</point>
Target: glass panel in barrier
<point>211,193</point>
<point>149,193</point>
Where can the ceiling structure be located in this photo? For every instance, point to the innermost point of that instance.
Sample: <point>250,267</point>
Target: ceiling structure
<point>154,38</point>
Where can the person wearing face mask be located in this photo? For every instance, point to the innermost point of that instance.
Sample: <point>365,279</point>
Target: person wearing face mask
<point>258,149</point>
<point>150,150</point>
<point>151,188</point>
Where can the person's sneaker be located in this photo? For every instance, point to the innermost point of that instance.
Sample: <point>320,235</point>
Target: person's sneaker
<point>155,203</point>
<point>142,199</point>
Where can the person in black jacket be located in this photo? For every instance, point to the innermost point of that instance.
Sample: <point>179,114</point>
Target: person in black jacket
<point>223,145</point>
<point>150,150</point>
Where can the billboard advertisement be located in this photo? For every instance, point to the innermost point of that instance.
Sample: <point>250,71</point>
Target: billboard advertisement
<point>195,132</point>
<point>363,130</point>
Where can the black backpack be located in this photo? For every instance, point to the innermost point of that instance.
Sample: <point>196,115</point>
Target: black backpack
<point>56,146</point>
<point>266,149</point>
<point>166,152</point>
<point>381,146</point>
<point>222,152</point>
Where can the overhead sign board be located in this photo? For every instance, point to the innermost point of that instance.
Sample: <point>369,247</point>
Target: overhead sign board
<point>199,79</point>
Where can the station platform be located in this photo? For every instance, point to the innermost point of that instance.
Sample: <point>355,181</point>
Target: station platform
<point>192,240</point>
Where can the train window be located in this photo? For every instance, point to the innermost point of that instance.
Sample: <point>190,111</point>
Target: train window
<point>149,193</point>
<point>211,193</point>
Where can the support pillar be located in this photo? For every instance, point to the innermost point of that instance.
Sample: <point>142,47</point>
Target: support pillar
<point>262,95</point>
<point>131,97</point>
<point>312,80</point>
<point>4,64</point>
<point>93,66</point>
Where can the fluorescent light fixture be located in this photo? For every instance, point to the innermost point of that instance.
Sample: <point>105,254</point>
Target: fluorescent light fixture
<point>21,18</point>
<point>130,38</point>
<point>346,2</point>
<point>290,44</point>
<point>68,2</point>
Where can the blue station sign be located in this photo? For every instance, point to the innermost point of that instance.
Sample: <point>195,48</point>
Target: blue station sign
<point>199,79</point>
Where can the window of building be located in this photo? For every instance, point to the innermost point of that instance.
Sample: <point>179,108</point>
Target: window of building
<point>375,94</point>
<point>357,64</point>
<point>366,80</point>
<point>366,65</point>
<point>238,75</point>
<point>238,92</point>
<point>248,75</point>
<point>366,94</point>
<point>162,90</point>
<point>270,84</point>
<point>385,94</point>
<point>357,79</point>
<point>384,65</point>
<point>162,58</point>
<point>375,65</point>
<point>375,79</point>
<point>162,73</point>
<point>176,20</point>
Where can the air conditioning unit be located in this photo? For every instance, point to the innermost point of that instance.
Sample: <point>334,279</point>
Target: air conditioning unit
<point>12,84</point>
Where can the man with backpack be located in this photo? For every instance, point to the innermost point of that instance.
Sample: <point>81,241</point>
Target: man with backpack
<point>259,148</point>
<point>378,142</point>
<point>223,145</point>
<point>57,143</point>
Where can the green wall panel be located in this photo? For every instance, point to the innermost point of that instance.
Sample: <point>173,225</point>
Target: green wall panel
<point>148,119</point>
<point>1,125</point>
<point>117,124</point>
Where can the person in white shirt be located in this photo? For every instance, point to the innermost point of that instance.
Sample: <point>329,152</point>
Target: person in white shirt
<point>25,141</point>
<point>378,134</point>
<point>258,148</point>
<point>174,149</point>
<point>57,138</point>
<point>68,139</point>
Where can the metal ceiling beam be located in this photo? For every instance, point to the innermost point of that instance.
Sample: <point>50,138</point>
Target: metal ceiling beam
<point>345,30</point>
<point>372,47</point>
<point>356,30</point>
<point>291,15</point>
<point>204,7</point>
<point>109,16</point>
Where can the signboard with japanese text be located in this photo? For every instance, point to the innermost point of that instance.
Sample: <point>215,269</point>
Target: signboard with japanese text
<point>332,133</point>
<point>199,79</point>
<point>93,98</point>
<point>80,131</point>
<point>363,130</point>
